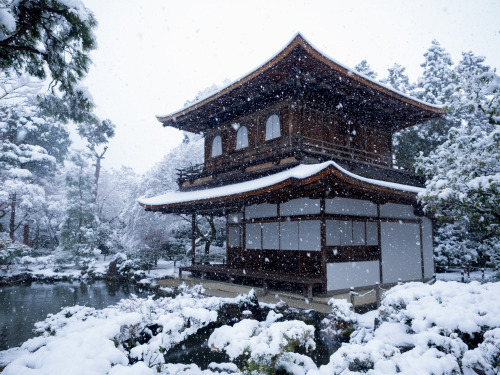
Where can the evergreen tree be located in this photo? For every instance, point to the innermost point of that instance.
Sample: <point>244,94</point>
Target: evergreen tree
<point>80,227</point>
<point>364,68</point>
<point>30,146</point>
<point>435,87</point>
<point>397,79</point>
<point>476,98</point>
<point>463,187</point>
<point>47,36</point>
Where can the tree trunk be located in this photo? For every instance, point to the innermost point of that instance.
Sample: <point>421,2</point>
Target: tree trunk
<point>26,234</point>
<point>12,226</point>
<point>193,238</point>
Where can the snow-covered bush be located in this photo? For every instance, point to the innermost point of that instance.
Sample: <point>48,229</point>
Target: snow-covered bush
<point>266,346</point>
<point>83,340</point>
<point>445,328</point>
<point>11,252</point>
<point>342,321</point>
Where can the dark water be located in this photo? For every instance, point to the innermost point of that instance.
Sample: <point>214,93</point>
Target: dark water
<point>22,306</point>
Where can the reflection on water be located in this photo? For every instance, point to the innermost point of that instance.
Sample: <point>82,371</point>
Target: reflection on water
<point>22,306</point>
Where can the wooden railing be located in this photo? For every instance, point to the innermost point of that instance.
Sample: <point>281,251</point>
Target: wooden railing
<point>275,150</point>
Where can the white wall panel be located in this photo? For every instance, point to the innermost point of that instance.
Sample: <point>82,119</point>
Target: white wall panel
<point>428,247</point>
<point>400,252</point>
<point>300,206</point>
<point>270,236</point>
<point>234,236</point>
<point>253,236</point>
<point>397,211</point>
<point>372,233</point>
<point>261,210</point>
<point>289,235</point>
<point>345,233</point>
<point>346,274</point>
<point>310,235</point>
<point>332,233</point>
<point>358,233</point>
<point>348,206</point>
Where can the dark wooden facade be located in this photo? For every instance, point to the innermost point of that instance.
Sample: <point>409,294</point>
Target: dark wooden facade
<point>326,113</point>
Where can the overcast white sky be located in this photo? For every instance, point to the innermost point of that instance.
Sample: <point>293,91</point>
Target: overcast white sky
<point>153,55</point>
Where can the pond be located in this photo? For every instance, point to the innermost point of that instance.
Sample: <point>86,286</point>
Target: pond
<point>21,306</point>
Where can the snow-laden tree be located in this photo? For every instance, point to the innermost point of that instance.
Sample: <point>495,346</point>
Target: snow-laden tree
<point>115,190</point>
<point>97,134</point>
<point>47,39</point>
<point>464,187</point>
<point>435,86</point>
<point>476,97</point>
<point>147,229</point>
<point>397,79</point>
<point>30,146</point>
<point>364,68</point>
<point>79,232</point>
<point>206,92</point>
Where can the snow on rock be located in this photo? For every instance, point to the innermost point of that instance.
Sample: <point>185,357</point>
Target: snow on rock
<point>444,328</point>
<point>267,343</point>
<point>83,340</point>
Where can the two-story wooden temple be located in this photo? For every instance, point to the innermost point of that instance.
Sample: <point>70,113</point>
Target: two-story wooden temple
<point>298,158</point>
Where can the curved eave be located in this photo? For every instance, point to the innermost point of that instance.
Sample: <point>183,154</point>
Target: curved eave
<point>328,170</point>
<point>298,40</point>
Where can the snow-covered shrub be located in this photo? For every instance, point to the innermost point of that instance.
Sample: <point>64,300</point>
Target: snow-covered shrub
<point>445,328</point>
<point>342,321</point>
<point>11,252</point>
<point>266,346</point>
<point>82,340</point>
<point>42,262</point>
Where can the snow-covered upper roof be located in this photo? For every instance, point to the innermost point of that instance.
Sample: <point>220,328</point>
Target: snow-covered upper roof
<point>298,40</point>
<point>270,183</point>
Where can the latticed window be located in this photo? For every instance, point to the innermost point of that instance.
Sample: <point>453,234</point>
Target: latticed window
<point>273,127</point>
<point>217,146</point>
<point>242,137</point>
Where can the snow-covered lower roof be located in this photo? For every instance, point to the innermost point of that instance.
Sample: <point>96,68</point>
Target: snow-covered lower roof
<point>270,183</point>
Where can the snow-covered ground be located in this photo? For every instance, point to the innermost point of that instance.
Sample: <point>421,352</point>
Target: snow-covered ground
<point>47,268</point>
<point>445,328</point>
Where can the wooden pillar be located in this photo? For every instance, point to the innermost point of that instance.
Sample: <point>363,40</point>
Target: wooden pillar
<point>193,233</point>
<point>324,272</point>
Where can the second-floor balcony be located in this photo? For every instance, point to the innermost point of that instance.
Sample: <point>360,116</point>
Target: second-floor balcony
<point>242,164</point>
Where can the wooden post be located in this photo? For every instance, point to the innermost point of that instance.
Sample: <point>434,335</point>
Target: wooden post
<point>482,274</point>
<point>377,293</point>
<point>193,230</point>
<point>351,292</point>
<point>463,275</point>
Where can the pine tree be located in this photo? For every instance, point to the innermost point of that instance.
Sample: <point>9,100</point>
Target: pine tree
<point>47,36</point>
<point>364,68</point>
<point>476,98</point>
<point>463,187</point>
<point>30,146</point>
<point>80,228</point>
<point>435,87</point>
<point>397,79</point>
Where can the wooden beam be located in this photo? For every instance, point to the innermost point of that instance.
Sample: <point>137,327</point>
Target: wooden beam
<point>193,239</point>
